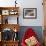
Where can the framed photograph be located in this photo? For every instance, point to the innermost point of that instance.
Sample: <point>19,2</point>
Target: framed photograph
<point>5,12</point>
<point>30,13</point>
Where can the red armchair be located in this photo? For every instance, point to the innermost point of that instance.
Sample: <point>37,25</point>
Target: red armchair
<point>30,35</point>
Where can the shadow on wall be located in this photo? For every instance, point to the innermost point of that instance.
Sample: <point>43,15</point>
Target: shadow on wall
<point>37,29</point>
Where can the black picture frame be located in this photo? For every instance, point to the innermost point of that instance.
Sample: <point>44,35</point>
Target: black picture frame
<point>29,13</point>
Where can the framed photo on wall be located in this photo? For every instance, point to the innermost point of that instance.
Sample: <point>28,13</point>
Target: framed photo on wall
<point>30,13</point>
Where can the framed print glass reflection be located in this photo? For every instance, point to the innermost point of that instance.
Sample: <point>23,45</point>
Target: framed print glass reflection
<point>30,13</point>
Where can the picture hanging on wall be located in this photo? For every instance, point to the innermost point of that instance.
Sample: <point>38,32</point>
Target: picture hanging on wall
<point>30,13</point>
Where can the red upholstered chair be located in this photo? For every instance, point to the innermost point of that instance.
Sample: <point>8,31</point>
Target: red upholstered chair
<point>28,34</point>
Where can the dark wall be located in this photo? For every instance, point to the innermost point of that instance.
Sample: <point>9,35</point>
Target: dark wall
<point>37,29</point>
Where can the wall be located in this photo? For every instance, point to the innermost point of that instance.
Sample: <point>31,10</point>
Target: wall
<point>32,4</point>
<point>27,4</point>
